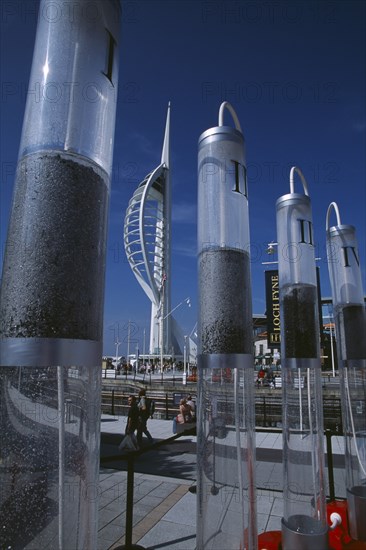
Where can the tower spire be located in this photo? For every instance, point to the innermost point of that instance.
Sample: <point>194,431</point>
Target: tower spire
<point>165,154</point>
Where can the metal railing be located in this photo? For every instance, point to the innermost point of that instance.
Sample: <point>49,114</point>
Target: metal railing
<point>168,377</point>
<point>268,408</point>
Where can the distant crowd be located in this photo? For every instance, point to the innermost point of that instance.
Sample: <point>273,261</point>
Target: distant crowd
<point>148,368</point>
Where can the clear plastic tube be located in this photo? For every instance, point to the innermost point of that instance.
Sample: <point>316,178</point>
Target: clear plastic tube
<point>52,290</point>
<point>226,448</point>
<point>304,522</point>
<point>72,91</point>
<point>350,322</point>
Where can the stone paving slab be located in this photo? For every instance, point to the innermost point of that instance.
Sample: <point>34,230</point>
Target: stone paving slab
<point>164,515</point>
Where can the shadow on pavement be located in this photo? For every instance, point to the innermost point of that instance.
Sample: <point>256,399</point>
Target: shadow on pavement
<point>172,459</point>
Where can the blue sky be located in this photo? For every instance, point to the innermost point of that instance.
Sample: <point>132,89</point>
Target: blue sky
<point>295,74</point>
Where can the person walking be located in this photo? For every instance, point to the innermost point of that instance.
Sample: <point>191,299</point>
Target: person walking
<point>129,441</point>
<point>144,413</point>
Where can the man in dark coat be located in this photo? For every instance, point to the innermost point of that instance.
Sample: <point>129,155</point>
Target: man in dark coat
<point>129,441</point>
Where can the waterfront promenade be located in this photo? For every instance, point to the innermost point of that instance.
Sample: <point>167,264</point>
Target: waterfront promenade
<point>164,510</point>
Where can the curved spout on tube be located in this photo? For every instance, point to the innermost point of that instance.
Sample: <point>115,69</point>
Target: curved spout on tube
<point>329,211</point>
<point>230,108</point>
<point>302,177</point>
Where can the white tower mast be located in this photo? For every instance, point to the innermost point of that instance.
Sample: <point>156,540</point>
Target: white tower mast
<point>147,240</point>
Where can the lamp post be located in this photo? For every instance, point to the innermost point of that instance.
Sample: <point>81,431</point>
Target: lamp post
<point>271,249</point>
<point>143,347</point>
<point>161,319</point>
<point>128,342</point>
<point>161,345</point>
<point>331,328</point>
<point>137,359</point>
<point>185,362</point>
<point>331,348</point>
<point>117,344</point>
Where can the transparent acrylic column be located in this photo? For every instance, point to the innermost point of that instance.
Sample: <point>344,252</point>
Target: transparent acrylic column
<point>52,289</point>
<point>50,431</point>
<point>350,323</point>
<point>226,516</point>
<point>304,523</point>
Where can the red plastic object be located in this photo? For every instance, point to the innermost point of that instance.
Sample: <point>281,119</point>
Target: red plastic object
<point>339,538</point>
<point>270,540</point>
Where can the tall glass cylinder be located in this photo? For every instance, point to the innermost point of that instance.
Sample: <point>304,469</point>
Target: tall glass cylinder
<point>304,523</point>
<point>350,323</point>
<point>226,448</point>
<point>52,290</point>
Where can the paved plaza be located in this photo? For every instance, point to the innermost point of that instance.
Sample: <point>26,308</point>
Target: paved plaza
<point>164,511</point>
